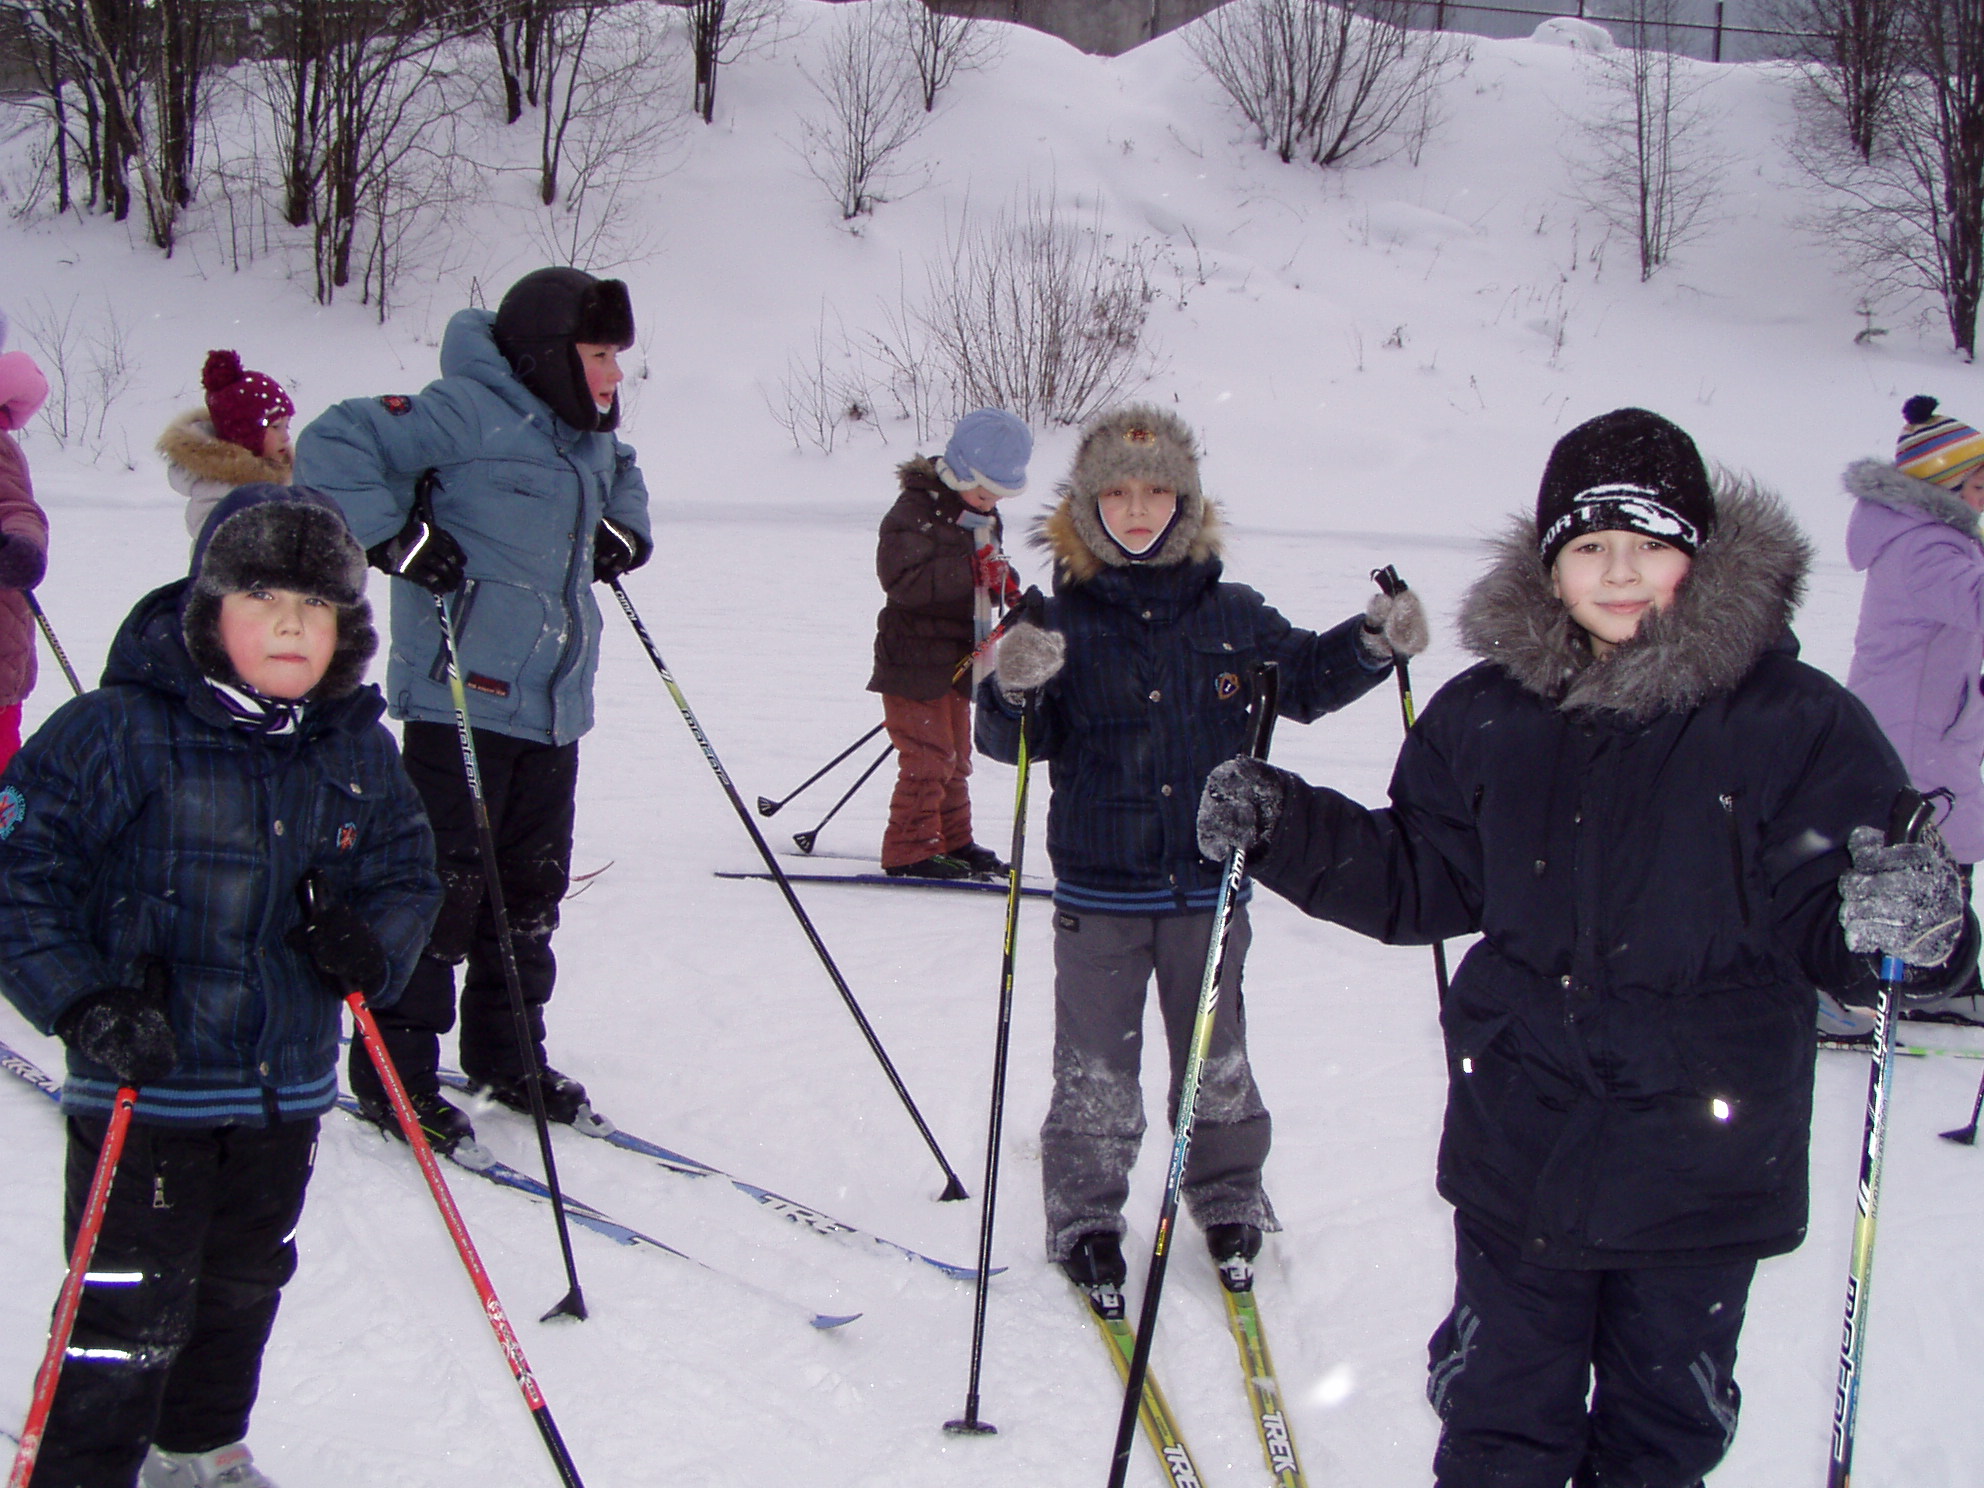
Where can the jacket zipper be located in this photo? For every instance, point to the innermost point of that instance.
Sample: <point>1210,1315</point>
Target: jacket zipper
<point>1736,856</point>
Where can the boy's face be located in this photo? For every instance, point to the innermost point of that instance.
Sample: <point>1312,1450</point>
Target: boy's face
<point>1610,580</point>
<point>603,374</point>
<point>979,499</point>
<point>280,641</point>
<point>275,441</point>
<point>1135,512</point>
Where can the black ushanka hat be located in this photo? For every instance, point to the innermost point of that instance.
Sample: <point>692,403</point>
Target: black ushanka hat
<point>1624,471</point>
<point>265,536</point>
<point>540,320</point>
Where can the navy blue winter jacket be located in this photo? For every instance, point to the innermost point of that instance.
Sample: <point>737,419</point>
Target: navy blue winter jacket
<point>522,492</point>
<point>1154,694</point>
<point>139,823</point>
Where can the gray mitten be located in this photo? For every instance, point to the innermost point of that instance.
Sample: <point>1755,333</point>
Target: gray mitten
<point>1240,805</point>
<point>1903,900</point>
<point>1395,625</point>
<point>1028,656</point>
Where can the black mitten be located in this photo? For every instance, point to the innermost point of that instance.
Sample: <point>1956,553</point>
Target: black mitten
<point>423,552</point>
<point>344,950</point>
<point>125,1031</point>
<point>1240,805</point>
<point>617,549</point>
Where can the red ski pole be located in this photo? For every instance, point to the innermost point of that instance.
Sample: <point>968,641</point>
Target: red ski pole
<point>71,1297</point>
<point>506,1337</point>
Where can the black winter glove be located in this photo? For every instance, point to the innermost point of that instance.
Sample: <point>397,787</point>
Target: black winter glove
<point>1903,899</point>
<point>1240,805</point>
<point>343,948</point>
<point>125,1031</point>
<point>617,549</point>
<point>423,552</point>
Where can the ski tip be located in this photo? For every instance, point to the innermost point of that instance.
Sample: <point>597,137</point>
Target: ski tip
<point>826,1320</point>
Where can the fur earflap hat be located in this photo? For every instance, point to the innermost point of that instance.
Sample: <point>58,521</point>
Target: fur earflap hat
<point>1136,442</point>
<point>279,537</point>
<point>242,404</point>
<point>1625,471</point>
<point>1935,447</point>
<point>542,317</point>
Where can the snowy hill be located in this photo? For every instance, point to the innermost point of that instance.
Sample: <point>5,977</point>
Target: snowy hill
<point>1377,361</point>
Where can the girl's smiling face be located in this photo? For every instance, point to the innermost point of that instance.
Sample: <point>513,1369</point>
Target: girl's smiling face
<point>1609,581</point>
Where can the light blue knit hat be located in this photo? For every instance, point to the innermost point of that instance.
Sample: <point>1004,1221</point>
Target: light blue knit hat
<point>989,448</point>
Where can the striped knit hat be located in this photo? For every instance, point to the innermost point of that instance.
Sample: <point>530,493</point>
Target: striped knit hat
<point>1934,448</point>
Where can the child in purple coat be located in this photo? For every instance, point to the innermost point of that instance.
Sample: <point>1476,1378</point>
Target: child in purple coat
<point>1919,650</point>
<point>23,540</point>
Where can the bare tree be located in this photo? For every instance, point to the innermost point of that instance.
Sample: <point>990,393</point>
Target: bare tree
<point>1852,54</point>
<point>868,114</point>
<point>1911,215</point>
<point>1650,167</point>
<point>720,32</point>
<point>517,27</point>
<point>941,46</point>
<point>606,130</point>
<point>1325,81</point>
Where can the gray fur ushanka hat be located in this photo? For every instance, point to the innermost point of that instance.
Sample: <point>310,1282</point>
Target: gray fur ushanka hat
<point>1137,441</point>
<point>266,536</point>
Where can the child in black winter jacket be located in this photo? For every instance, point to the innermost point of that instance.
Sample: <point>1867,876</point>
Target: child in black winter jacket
<point>1644,803</point>
<point>153,835</point>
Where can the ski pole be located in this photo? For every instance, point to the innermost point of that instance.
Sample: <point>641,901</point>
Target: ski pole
<point>1967,1135</point>
<point>492,1307</point>
<point>1267,696</point>
<point>969,1424</point>
<point>805,840</point>
<point>1389,582</point>
<point>953,1188</point>
<point>1029,602</point>
<point>769,807</point>
<point>70,1299</point>
<point>48,634</point>
<point>1910,815</point>
<point>573,1304</point>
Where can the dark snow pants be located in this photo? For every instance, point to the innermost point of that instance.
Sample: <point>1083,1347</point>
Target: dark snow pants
<point>1601,1379</point>
<point>530,790</point>
<point>196,1245</point>
<point>1095,1119</point>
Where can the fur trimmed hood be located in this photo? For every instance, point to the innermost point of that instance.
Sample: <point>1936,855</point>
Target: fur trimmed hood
<point>1735,605</point>
<point>1883,484</point>
<point>1073,534</point>
<point>190,442</point>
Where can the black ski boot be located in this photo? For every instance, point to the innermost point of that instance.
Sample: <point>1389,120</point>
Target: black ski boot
<point>1096,1261</point>
<point>943,865</point>
<point>1233,1248</point>
<point>981,860</point>
<point>564,1098</point>
<point>445,1126</point>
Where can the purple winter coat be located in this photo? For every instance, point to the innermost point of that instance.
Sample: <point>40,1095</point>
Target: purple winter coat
<point>1920,647</point>
<point>23,557</point>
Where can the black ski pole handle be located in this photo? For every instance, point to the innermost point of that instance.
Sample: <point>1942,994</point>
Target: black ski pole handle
<point>1266,677</point>
<point>1388,581</point>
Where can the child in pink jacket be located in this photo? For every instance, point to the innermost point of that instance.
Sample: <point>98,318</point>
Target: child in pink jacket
<point>23,540</point>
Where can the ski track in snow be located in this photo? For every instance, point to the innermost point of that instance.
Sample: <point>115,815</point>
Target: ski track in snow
<point>696,1012</point>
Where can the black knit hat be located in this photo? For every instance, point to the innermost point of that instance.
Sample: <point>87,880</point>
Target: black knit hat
<point>265,536</point>
<point>541,317</point>
<point>1624,471</point>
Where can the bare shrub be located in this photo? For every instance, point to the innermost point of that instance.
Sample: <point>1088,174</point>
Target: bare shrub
<point>89,368</point>
<point>1651,168</point>
<point>867,113</point>
<point>1328,82</point>
<point>824,391</point>
<point>940,46</point>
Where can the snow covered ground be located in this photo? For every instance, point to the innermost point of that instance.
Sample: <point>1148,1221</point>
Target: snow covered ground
<point>1378,361</point>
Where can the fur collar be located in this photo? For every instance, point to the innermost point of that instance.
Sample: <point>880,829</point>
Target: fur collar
<point>1734,606</point>
<point>1884,485</point>
<point>1073,533</point>
<point>190,441</point>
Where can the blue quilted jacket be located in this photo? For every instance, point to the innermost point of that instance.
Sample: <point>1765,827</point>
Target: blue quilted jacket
<point>138,824</point>
<point>522,492</point>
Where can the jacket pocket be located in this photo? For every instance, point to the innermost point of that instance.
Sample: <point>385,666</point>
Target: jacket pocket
<point>1727,801</point>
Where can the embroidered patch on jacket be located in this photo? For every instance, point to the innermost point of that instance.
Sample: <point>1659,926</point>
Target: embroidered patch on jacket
<point>1227,685</point>
<point>396,403</point>
<point>489,685</point>
<point>13,810</point>
<point>347,836</point>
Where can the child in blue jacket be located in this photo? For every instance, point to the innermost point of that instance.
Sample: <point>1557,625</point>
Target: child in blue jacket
<point>153,836</point>
<point>533,500</point>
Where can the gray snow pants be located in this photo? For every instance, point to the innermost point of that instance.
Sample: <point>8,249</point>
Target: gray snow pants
<point>1095,1120</point>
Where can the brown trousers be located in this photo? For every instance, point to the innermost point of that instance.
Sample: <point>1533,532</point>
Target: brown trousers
<point>930,812</point>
